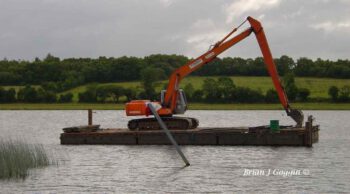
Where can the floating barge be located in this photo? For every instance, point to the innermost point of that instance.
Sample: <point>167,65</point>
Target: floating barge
<point>229,136</point>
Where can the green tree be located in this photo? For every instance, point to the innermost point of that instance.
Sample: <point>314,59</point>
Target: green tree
<point>67,97</point>
<point>225,87</point>
<point>9,78</point>
<point>210,90</point>
<point>189,90</point>
<point>89,95</point>
<point>7,96</point>
<point>290,87</point>
<point>28,94</point>
<point>51,58</point>
<point>102,93</point>
<point>271,96</point>
<point>109,92</point>
<point>333,92</point>
<point>11,95</point>
<point>304,67</point>
<point>130,93</point>
<point>148,78</point>
<point>50,86</point>
<point>246,95</point>
<point>46,96</point>
<point>73,79</point>
<point>344,93</point>
<point>303,94</point>
<point>3,94</point>
<point>166,62</point>
<point>117,92</point>
<point>284,65</point>
<point>198,96</point>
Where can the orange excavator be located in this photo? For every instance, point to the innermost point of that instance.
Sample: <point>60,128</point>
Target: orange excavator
<point>173,100</point>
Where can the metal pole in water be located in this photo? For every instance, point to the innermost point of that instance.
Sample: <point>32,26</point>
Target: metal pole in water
<point>89,117</point>
<point>167,132</point>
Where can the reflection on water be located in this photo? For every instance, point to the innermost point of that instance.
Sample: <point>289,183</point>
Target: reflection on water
<point>158,169</point>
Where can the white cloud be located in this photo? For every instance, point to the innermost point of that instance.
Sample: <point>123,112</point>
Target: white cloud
<point>166,3</point>
<point>203,33</point>
<point>329,26</point>
<point>295,14</point>
<point>206,23</point>
<point>200,43</point>
<point>240,7</point>
<point>260,17</point>
<point>207,38</point>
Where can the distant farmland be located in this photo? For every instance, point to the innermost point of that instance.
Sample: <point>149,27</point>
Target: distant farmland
<point>317,86</point>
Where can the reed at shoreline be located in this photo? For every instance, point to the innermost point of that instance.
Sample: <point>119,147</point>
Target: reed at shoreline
<point>18,157</point>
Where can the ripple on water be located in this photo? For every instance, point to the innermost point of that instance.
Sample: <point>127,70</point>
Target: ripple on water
<point>158,169</point>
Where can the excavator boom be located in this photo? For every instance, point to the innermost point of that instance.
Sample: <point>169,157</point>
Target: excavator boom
<point>296,115</point>
<point>170,102</point>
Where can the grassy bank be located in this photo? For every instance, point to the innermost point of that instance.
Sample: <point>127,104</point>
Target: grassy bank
<point>17,157</point>
<point>193,106</point>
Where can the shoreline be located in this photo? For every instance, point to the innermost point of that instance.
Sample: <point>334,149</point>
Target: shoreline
<point>192,106</point>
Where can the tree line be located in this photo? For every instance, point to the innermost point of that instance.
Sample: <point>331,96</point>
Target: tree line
<point>72,72</point>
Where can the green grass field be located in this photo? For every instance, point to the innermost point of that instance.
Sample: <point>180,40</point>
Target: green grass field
<point>317,86</point>
<point>17,88</point>
<point>192,106</point>
<point>77,90</point>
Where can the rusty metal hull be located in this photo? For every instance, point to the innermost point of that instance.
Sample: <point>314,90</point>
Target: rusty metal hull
<point>257,136</point>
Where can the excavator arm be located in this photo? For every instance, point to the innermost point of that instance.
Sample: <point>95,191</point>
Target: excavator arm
<point>173,100</point>
<point>170,99</point>
<point>296,115</point>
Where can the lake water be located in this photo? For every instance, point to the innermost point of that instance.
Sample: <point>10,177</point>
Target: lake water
<point>324,168</point>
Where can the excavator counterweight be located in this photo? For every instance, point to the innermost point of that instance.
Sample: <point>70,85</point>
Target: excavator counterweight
<point>174,100</point>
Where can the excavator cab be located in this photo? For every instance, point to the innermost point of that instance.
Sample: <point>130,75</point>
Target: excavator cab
<point>181,102</point>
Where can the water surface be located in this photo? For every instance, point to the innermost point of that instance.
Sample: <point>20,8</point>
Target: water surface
<point>158,169</point>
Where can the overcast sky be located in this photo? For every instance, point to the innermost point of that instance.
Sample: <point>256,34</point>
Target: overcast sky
<point>92,28</point>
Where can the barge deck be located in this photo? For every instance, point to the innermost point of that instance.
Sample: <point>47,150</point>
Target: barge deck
<point>229,136</point>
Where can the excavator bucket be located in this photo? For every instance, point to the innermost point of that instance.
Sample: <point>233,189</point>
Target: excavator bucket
<point>297,116</point>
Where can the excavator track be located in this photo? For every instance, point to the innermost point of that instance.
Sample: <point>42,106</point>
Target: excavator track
<point>173,123</point>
